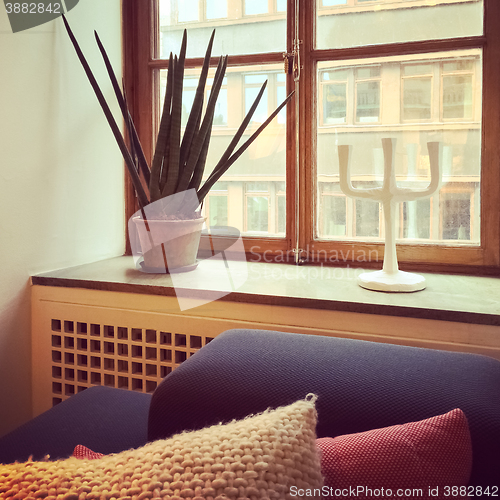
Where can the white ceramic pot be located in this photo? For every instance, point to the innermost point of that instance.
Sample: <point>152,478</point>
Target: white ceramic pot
<point>169,245</point>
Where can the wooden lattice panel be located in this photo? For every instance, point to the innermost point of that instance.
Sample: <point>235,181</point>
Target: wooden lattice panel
<point>86,354</point>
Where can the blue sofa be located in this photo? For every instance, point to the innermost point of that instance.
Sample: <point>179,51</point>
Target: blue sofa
<point>360,386</point>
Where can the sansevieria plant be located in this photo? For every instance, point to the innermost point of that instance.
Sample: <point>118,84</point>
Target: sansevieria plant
<point>179,159</point>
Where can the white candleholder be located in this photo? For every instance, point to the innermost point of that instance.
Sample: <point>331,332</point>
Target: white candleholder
<point>390,278</point>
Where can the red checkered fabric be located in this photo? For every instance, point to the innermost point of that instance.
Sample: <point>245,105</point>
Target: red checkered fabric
<point>435,452</point>
<point>85,453</point>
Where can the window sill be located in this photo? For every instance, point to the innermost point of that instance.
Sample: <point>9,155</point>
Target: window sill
<point>464,299</point>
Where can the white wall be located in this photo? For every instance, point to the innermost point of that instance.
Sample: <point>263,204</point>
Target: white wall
<point>61,173</point>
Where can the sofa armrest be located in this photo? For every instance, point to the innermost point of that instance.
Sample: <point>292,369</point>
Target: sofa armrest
<point>104,419</point>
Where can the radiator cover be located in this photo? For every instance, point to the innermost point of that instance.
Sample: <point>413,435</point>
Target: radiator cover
<point>83,337</point>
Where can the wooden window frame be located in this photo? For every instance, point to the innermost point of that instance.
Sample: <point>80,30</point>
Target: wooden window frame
<point>140,42</point>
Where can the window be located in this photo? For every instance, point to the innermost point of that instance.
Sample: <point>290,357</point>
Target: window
<point>216,206</point>
<point>258,7</point>
<point>190,11</point>
<point>254,7</point>
<point>458,84</point>
<point>417,91</point>
<point>187,11</point>
<point>257,207</point>
<point>371,69</point>
<point>368,94</point>
<point>456,215</point>
<point>416,220</point>
<point>216,9</point>
<point>334,96</point>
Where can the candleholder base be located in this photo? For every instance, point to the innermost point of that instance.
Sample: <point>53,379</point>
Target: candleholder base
<point>400,281</point>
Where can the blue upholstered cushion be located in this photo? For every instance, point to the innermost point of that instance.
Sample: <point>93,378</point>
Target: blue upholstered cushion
<point>361,386</point>
<point>104,419</point>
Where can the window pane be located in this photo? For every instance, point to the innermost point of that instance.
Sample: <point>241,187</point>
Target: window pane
<point>217,210</point>
<point>216,9</point>
<point>219,186</point>
<point>257,187</point>
<point>187,103</point>
<point>267,33</point>
<point>460,65</point>
<point>334,216</point>
<point>368,102</point>
<point>334,103</point>
<point>456,208</point>
<point>457,97</point>
<point>258,213</point>
<point>281,5</point>
<point>365,22</point>
<point>416,219</point>
<point>281,96</point>
<point>335,75</point>
<point>220,114</point>
<point>253,7</point>
<point>368,72</point>
<point>413,99</point>
<point>417,99</point>
<point>260,79</point>
<point>417,69</point>
<point>367,218</point>
<point>188,10</point>
<point>281,202</point>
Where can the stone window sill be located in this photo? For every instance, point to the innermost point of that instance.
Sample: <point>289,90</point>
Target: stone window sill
<point>465,299</point>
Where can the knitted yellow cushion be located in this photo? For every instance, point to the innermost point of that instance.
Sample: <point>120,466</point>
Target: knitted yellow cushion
<point>262,456</point>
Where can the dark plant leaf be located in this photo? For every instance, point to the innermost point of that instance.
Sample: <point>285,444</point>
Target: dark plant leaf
<point>205,129</point>
<point>163,137</point>
<point>135,144</point>
<point>194,119</point>
<point>200,166</point>
<point>175,130</point>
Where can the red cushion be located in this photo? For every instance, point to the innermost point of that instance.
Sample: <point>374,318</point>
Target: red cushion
<point>85,453</point>
<point>435,452</point>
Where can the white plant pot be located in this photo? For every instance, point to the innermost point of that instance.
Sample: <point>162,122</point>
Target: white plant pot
<point>169,245</point>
